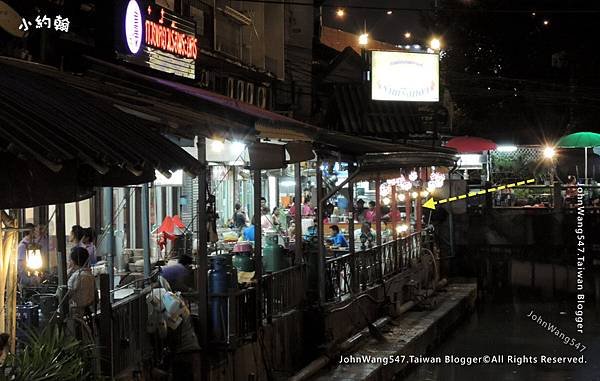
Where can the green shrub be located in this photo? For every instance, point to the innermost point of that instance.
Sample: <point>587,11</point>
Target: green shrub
<point>50,355</point>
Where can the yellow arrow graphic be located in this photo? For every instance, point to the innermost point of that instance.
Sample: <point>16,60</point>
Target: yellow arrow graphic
<point>431,203</point>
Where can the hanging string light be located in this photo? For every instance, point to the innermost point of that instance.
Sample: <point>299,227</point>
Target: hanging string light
<point>413,176</point>
<point>436,180</point>
<point>384,189</point>
<point>405,184</point>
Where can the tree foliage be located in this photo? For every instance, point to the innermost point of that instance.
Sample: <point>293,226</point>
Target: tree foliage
<point>50,355</point>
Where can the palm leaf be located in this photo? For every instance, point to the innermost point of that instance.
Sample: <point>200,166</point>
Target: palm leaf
<point>49,355</point>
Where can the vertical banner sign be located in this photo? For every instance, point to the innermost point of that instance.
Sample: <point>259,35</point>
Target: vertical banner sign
<point>157,38</point>
<point>408,77</point>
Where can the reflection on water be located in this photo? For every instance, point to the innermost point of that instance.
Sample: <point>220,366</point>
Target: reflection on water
<point>501,326</point>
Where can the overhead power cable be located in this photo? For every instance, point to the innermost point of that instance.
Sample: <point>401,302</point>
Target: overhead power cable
<point>427,9</point>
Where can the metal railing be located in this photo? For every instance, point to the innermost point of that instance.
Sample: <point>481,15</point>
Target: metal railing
<point>341,275</point>
<point>543,196</point>
<point>129,326</point>
<point>351,273</point>
<point>232,316</point>
<point>283,291</point>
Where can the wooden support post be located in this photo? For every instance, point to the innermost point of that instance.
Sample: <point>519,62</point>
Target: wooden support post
<point>351,216</point>
<point>109,234</point>
<point>378,210</point>
<point>354,264</point>
<point>258,268</point>
<point>407,207</point>
<point>556,195</point>
<point>202,252</point>
<point>146,229</point>
<point>106,334</point>
<point>298,216</point>
<point>394,213</point>
<point>320,232</point>
<point>41,218</point>
<point>418,207</point>
<point>61,244</point>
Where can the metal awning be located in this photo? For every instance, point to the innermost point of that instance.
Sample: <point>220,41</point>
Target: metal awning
<point>189,109</point>
<point>353,112</point>
<point>72,140</point>
<point>388,164</point>
<point>380,158</point>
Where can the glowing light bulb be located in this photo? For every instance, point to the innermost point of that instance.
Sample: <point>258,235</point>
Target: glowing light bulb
<point>217,145</point>
<point>435,44</point>
<point>363,39</point>
<point>386,201</point>
<point>401,228</point>
<point>549,152</point>
<point>34,259</point>
<point>237,147</point>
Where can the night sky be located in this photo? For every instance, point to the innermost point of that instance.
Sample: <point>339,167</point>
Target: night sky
<point>380,25</point>
<point>522,71</point>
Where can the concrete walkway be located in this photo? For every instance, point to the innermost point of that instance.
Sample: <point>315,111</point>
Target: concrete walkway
<point>410,334</point>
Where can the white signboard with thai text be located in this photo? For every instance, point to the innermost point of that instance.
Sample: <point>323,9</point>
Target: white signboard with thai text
<point>402,76</point>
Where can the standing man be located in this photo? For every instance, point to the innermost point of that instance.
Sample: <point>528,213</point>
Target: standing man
<point>239,217</point>
<point>22,249</point>
<point>360,211</point>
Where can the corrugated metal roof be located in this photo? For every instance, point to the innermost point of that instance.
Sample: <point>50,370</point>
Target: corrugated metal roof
<point>57,142</point>
<point>211,99</point>
<point>339,40</point>
<point>353,112</point>
<point>46,119</point>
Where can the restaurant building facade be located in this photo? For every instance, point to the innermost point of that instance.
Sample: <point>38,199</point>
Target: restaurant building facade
<point>170,110</point>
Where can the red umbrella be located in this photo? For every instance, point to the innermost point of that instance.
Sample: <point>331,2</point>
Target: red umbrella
<point>177,222</point>
<point>465,144</point>
<point>172,225</point>
<point>170,228</point>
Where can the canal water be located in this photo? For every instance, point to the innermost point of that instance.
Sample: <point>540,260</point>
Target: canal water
<point>500,325</point>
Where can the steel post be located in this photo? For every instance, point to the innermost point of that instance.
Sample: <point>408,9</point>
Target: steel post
<point>146,229</point>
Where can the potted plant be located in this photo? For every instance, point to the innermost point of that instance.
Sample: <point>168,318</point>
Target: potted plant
<point>49,354</point>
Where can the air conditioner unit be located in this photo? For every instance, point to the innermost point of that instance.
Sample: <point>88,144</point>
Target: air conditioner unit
<point>237,16</point>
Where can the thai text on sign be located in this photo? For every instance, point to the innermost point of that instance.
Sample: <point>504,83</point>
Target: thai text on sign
<point>170,40</point>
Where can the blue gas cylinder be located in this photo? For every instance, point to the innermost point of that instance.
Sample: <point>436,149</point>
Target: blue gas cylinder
<point>221,278</point>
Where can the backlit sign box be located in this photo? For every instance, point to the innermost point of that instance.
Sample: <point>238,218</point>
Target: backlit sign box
<point>157,38</point>
<point>402,76</point>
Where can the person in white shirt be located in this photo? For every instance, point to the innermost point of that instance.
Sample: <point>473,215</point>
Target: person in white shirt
<point>22,249</point>
<point>265,219</point>
<point>81,283</point>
